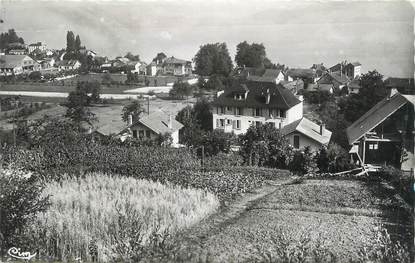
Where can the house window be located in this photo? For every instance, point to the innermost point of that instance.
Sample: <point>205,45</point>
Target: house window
<point>282,113</point>
<point>141,134</point>
<point>148,134</point>
<point>373,146</point>
<point>221,110</point>
<point>135,133</point>
<point>257,123</point>
<point>238,111</point>
<point>296,141</point>
<point>228,122</point>
<point>222,122</point>
<point>228,108</point>
<point>238,124</point>
<point>257,112</point>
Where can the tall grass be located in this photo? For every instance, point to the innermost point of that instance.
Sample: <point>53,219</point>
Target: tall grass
<point>98,209</point>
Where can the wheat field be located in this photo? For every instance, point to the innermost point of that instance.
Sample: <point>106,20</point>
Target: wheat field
<point>98,209</point>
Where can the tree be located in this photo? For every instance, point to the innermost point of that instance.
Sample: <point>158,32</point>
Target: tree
<point>77,43</point>
<point>134,109</point>
<point>263,145</point>
<point>202,111</point>
<point>373,90</point>
<point>216,141</point>
<point>159,58</point>
<point>180,90</point>
<point>78,102</point>
<point>303,161</point>
<point>20,200</point>
<point>215,82</point>
<point>332,159</point>
<point>8,38</point>
<point>213,59</point>
<point>35,75</point>
<point>132,57</point>
<point>250,55</point>
<point>70,41</point>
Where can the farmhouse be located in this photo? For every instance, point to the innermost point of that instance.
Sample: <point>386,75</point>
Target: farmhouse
<point>384,134</point>
<point>337,79</point>
<point>303,132</point>
<point>17,64</point>
<point>251,103</point>
<point>177,67</point>
<point>155,124</point>
<point>69,64</point>
<point>300,73</point>
<point>36,46</point>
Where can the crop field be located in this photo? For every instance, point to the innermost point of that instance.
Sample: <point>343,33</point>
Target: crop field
<point>332,220</point>
<point>101,207</point>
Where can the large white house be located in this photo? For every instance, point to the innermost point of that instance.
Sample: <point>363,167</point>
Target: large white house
<point>253,103</point>
<point>17,64</point>
<point>250,103</point>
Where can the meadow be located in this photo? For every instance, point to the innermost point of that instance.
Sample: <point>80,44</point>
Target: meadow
<point>108,211</point>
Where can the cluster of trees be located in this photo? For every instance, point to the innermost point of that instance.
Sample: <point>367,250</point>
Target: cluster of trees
<point>180,90</point>
<point>79,101</point>
<point>73,44</point>
<point>132,57</point>
<point>10,37</point>
<point>253,55</point>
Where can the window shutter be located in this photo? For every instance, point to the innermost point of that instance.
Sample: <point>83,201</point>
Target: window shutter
<point>233,124</point>
<point>217,123</point>
<point>253,112</point>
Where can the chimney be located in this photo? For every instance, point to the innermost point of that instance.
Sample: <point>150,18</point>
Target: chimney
<point>268,98</point>
<point>170,125</point>
<point>392,91</point>
<point>322,127</point>
<point>130,119</point>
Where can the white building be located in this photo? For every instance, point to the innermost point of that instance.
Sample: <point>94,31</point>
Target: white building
<point>251,103</point>
<point>17,64</point>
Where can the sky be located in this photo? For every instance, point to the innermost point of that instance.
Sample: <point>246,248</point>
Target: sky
<point>380,35</point>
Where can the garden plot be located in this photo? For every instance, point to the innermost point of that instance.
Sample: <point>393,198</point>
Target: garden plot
<point>327,217</point>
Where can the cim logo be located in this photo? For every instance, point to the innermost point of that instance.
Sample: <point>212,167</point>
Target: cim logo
<point>15,253</point>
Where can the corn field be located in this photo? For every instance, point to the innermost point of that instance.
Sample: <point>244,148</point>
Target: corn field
<point>93,212</point>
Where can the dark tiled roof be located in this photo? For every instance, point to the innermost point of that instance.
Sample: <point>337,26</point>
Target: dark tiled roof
<point>159,122</point>
<point>336,76</point>
<point>356,63</point>
<point>281,97</point>
<point>173,60</point>
<point>12,61</point>
<point>376,115</point>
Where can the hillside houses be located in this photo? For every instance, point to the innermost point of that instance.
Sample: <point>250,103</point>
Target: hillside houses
<point>71,64</point>
<point>253,103</point>
<point>17,64</point>
<point>177,67</point>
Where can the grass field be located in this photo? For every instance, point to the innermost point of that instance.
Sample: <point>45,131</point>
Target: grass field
<point>105,208</point>
<point>339,218</point>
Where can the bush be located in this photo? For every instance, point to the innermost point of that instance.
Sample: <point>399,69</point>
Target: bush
<point>333,159</point>
<point>403,182</point>
<point>302,161</point>
<point>20,201</point>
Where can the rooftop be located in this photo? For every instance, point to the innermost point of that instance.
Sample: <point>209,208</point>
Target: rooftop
<point>309,129</point>
<point>158,122</point>
<point>280,97</point>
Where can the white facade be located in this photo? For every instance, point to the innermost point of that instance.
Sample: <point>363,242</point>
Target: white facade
<point>303,141</point>
<point>227,118</point>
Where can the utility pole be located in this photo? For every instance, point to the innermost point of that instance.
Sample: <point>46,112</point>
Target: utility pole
<point>148,105</point>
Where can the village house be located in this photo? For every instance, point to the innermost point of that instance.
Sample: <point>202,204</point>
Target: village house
<point>384,135</point>
<point>403,85</point>
<point>308,75</point>
<point>151,69</point>
<point>177,67</point>
<point>245,104</point>
<point>87,52</point>
<point>253,103</point>
<point>336,79</point>
<point>268,75</point>
<point>354,86</point>
<point>305,133</point>
<point>17,64</point>
<point>17,51</point>
<point>71,64</point>
<point>351,70</point>
<point>149,127</point>
<point>36,46</point>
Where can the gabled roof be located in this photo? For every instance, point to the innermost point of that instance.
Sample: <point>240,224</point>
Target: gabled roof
<point>309,129</point>
<point>69,63</point>
<point>336,76</point>
<point>158,122</point>
<point>173,60</point>
<point>281,97</point>
<point>356,63</point>
<point>269,75</point>
<point>12,61</point>
<point>301,73</point>
<point>376,115</point>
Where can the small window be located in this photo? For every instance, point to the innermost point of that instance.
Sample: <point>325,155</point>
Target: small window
<point>238,111</point>
<point>135,133</point>
<point>238,124</point>
<point>257,123</point>
<point>221,123</point>
<point>222,110</point>
<point>228,109</point>
<point>296,141</point>
<point>258,112</point>
<point>282,114</point>
<point>228,122</point>
<point>141,134</point>
<point>148,134</point>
